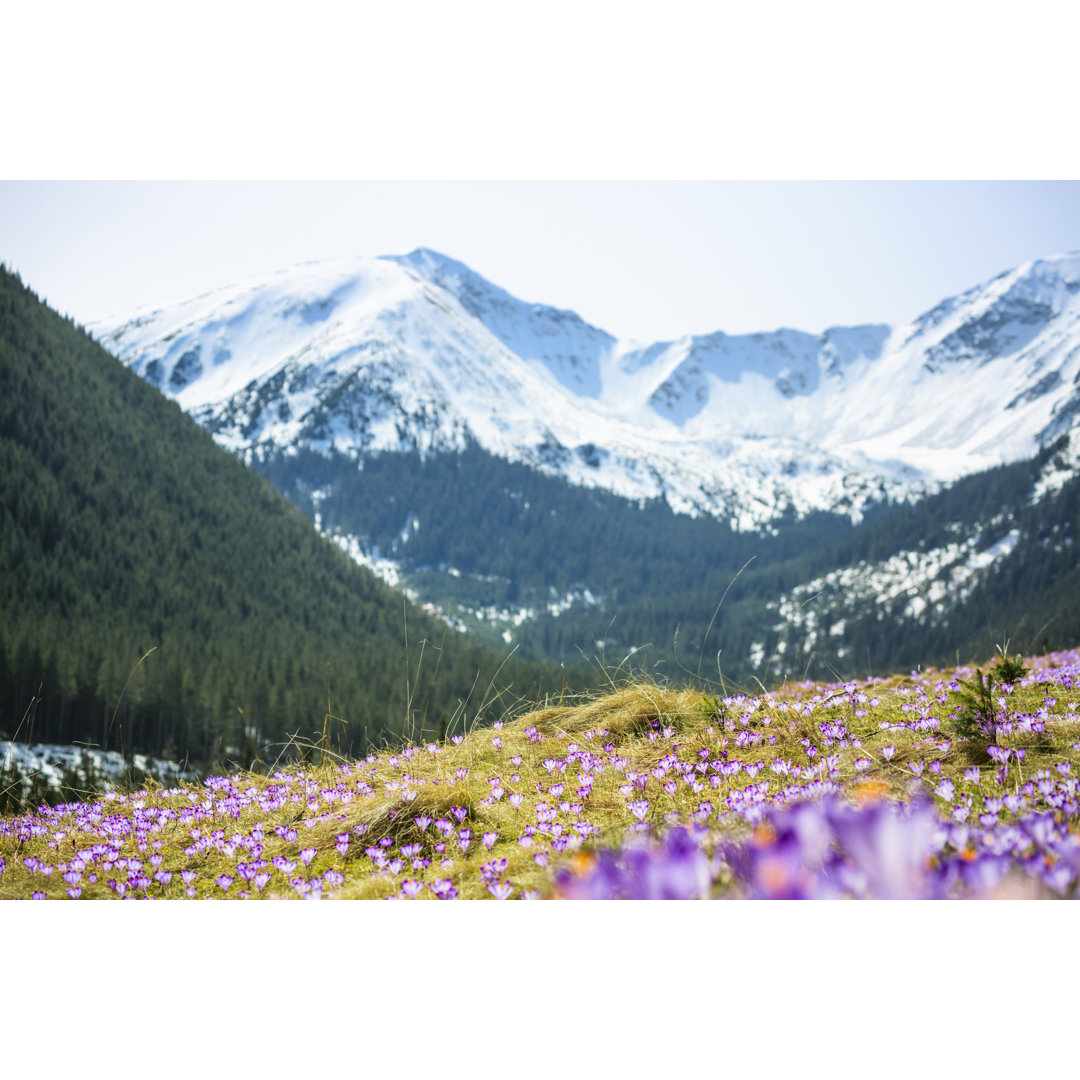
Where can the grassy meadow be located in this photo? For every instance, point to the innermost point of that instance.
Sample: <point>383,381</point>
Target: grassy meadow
<point>932,784</point>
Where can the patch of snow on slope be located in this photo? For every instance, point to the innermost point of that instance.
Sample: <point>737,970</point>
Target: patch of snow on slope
<point>385,569</point>
<point>102,769</point>
<point>931,581</point>
<point>1058,471</point>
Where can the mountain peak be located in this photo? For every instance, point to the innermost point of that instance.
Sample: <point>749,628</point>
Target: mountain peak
<point>420,351</point>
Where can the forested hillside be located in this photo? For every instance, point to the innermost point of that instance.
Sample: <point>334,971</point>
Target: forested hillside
<point>124,529</point>
<point>470,530</point>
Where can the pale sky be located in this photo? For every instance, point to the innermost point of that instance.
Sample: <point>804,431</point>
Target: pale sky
<point>642,260</point>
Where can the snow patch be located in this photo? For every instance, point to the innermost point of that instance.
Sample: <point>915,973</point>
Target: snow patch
<point>926,582</point>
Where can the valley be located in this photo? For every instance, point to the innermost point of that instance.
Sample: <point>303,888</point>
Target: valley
<point>536,481</point>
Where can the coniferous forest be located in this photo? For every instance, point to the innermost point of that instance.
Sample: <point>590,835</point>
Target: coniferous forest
<point>660,576</point>
<point>157,595</point>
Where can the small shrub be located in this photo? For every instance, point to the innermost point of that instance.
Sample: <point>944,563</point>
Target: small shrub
<point>1009,669</point>
<point>977,713</point>
<point>975,716</point>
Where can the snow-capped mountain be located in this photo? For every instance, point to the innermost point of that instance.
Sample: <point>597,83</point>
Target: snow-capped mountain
<point>420,352</point>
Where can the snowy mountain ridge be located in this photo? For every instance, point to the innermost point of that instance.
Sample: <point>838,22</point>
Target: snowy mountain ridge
<point>420,352</point>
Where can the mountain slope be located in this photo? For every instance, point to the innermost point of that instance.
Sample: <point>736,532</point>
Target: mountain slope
<point>419,352</point>
<point>124,528</point>
<point>530,475</point>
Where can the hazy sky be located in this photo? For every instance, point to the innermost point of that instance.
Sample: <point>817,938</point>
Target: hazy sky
<point>645,260</point>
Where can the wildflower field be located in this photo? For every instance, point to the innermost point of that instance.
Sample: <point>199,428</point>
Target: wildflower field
<point>939,784</point>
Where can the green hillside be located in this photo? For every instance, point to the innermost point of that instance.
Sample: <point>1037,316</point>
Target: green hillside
<point>473,533</point>
<point>124,528</point>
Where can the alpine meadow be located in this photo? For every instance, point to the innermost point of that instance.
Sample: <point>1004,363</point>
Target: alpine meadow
<point>369,580</point>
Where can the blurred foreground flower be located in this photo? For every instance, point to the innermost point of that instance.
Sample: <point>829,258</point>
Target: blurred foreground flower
<point>674,869</point>
<point>829,850</point>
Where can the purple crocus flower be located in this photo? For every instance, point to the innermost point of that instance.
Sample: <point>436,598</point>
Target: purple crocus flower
<point>444,889</point>
<point>412,888</point>
<point>223,881</point>
<point>1058,876</point>
<point>984,873</point>
<point>946,789</point>
<point>891,849</point>
<point>778,872</point>
<point>307,854</point>
<point>493,870</point>
<point>501,891</point>
<point>675,869</point>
